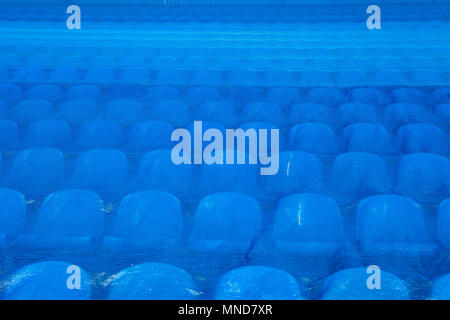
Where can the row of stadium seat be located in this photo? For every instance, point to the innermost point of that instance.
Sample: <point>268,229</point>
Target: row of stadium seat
<point>149,135</point>
<point>422,176</point>
<point>348,78</point>
<point>158,281</point>
<point>285,97</point>
<point>305,226</point>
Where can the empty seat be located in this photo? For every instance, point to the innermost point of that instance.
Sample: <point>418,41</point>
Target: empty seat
<point>171,77</point>
<point>443,223</point>
<point>352,284</point>
<point>65,75</point>
<point>221,112</point>
<point>298,172</point>
<point>162,93</point>
<point>29,74</point>
<point>359,174</point>
<point>424,176</point>
<point>398,114</point>
<point>68,221</point>
<point>367,137</point>
<point>257,283</point>
<point>326,96</point>
<point>284,97</point>
<point>97,134</point>
<point>174,112</point>
<point>242,96</point>
<point>442,111</point>
<point>308,112</point>
<point>157,171</point>
<point>350,113</point>
<point>99,75</point>
<point>46,133</point>
<point>413,96</point>
<point>48,92</point>
<point>263,112</point>
<point>8,135</point>
<point>441,288</point>
<point>10,92</point>
<point>31,110</point>
<point>124,112</point>
<point>71,61</point>
<point>36,171</point>
<point>84,91</point>
<point>135,76</point>
<point>421,137</point>
<point>225,223</point>
<point>313,137</point>
<point>442,95</point>
<point>149,135</point>
<point>101,170</point>
<point>76,112</point>
<point>125,91</point>
<point>153,281</point>
<point>391,233</point>
<point>368,96</point>
<point>308,231</point>
<point>198,95</point>
<point>12,215</point>
<point>49,280</point>
<point>146,222</point>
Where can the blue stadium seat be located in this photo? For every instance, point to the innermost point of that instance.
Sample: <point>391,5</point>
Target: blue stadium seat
<point>443,223</point>
<point>351,113</point>
<point>48,92</point>
<point>170,77</point>
<point>215,229</point>
<point>100,75</point>
<point>76,112</point>
<point>46,133</point>
<point>47,280</point>
<point>367,137</point>
<point>298,172</point>
<point>284,97</point>
<point>124,112</point>
<point>36,171</point>
<point>265,126</point>
<point>313,137</point>
<point>351,284</point>
<point>8,135</point>
<point>424,176</point>
<point>441,288</point>
<point>71,61</point>
<point>242,96</point>
<point>421,137</point>
<point>136,76</point>
<point>101,170</point>
<point>257,283</point>
<point>442,111</point>
<point>157,171</point>
<point>359,174</point>
<point>68,221</point>
<point>124,91</point>
<point>413,96</point>
<point>228,177</point>
<point>65,75</point>
<point>148,222</point>
<point>368,96</point>
<point>84,91</point>
<point>10,92</point>
<point>29,75</point>
<point>221,112</point>
<point>97,134</point>
<point>398,114</point>
<point>174,112</point>
<point>329,97</point>
<point>153,281</point>
<point>308,231</point>
<point>163,93</point>
<point>198,95</point>
<point>263,112</point>
<point>149,135</point>
<point>27,111</point>
<point>308,112</point>
<point>442,95</point>
<point>391,233</point>
<point>12,216</point>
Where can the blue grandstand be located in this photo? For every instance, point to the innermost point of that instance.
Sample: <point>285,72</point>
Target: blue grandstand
<point>92,205</point>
